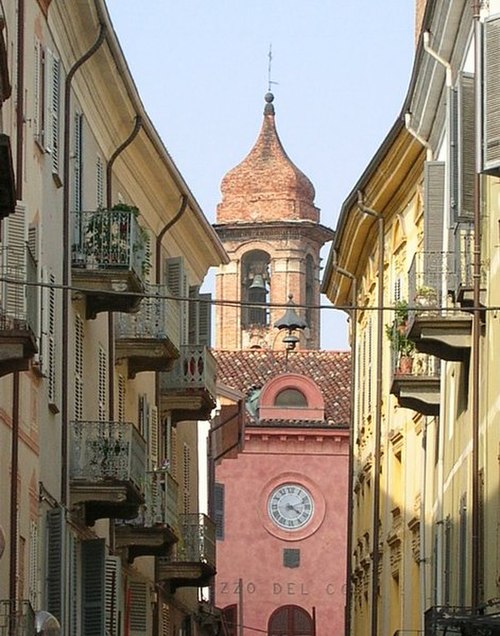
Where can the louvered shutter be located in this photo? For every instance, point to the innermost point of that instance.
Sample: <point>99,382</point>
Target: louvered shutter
<point>38,92</point>
<point>113,594</point>
<point>219,510</point>
<point>56,550</point>
<point>93,587</point>
<point>52,101</point>
<point>462,148</point>
<point>165,620</point>
<point>462,549</point>
<point>153,438</point>
<point>78,377</point>
<point>186,479</point>
<point>51,337</point>
<point>434,187</point>
<point>14,243</point>
<point>138,609</point>
<point>176,281</point>
<point>121,398</point>
<point>491,96</point>
<point>78,163</point>
<point>102,382</point>
<point>100,183</point>
<point>200,314</point>
<point>33,575</point>
<point>73,585</point>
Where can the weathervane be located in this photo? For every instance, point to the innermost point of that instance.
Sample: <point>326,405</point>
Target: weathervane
<point>270,56</point>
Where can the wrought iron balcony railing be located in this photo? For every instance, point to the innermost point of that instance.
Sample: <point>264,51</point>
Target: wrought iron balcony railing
<point>195,369</point>
<point>107,452</point>
<point>18,301</point>
<point>197,541</point>
<point>160,501</point>
<point>17,618</point>
<point>109,239</point>
<point>157,318</point>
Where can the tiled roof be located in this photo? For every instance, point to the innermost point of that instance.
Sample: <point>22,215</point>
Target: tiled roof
<point>250,369</point>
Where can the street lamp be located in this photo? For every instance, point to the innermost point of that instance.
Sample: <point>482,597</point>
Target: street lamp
<point>290,321</point>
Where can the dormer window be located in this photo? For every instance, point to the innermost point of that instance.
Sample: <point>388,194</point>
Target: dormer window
<point>290,398</point>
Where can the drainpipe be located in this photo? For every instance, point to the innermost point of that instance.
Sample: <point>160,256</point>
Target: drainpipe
<point>438,58</point>
<point>419,138</point>
<point>476,574</point>
<point>423,529</point>
<point>66,373</point>
<point>350,504</point>
<point>111,323</point>
<point>20,100</point>
<point>378,413</point>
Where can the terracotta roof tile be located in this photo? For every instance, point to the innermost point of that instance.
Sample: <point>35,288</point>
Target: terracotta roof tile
<point>250,369</point>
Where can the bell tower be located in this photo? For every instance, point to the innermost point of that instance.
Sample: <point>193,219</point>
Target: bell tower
<point>270,228</point>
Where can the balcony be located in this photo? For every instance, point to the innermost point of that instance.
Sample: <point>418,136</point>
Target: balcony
<point>438,324</point>
<point>188,390</point>
<point>18,309</point>
<point>192,560</point>
<point>156,526</point>
<point>440,620</point>
<point>109,260</point>
<point>107,469</point>
<point>416,383</point>
<point>150,339</point>
<point>17,618</point>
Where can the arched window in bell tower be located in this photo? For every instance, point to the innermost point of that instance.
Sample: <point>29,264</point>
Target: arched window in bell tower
<point>255,280</point>
<point>310,291</point>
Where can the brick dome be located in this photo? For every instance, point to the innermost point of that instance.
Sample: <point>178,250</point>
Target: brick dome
<point>266,185</point>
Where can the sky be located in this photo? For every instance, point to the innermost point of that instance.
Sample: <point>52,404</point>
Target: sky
<point>340,70</point>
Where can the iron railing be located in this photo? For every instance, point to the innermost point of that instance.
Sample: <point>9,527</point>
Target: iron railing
<point>160,501</point>
<point>197,541</point>
<point>196,368</point>
<point>450,620</point>
<point>109,239</point>
<point>430,274</point>
<point>17,618</point>
<point>157,318</point>
<point>103,451</point>
<point>417,364</point>
<point>18,300</point>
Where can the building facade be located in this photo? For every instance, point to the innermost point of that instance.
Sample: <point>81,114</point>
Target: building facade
<point>280,504</point>
<point>104,362</point>
<point>423,553</point>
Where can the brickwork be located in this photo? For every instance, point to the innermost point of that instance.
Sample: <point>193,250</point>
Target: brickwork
<point>268,205</point>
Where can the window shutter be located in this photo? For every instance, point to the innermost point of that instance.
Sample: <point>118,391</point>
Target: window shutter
<point>143,413</point>
<point>78,367</point>
<point>121,398</point>
<point>176,281</point>
<point>491,96</point>
<point>93,587</point>
<point>102,385</point>
<point>33,575</point>
<point>113,595</point>
<point>15,241</point>
<point>77,163</point>
<point>173,452</point>
<point>138,610</point>
<point>462,148</point>
<point>56,549</point>
<point>100,183</point>
<point>165,620</point>
<point>433,205</point>
<point>153,438</point>
<point>219,493</point>
<point>38,92</point>
<point>186,478</point>
<point>51,337</point>
<point>199,317</point>
<point>52,101</point>
<point>73,584</point>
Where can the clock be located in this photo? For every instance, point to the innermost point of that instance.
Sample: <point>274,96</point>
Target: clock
<point>290,506</point>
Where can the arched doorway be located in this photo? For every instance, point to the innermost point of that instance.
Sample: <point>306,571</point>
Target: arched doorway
<point>290,620</point>
<point>230,620</point>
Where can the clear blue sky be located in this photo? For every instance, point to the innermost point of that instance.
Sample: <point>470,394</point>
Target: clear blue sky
<point>342,69</point>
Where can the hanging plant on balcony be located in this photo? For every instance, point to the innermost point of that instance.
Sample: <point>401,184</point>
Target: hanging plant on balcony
<point>142,242</point>
<point>403,348</point>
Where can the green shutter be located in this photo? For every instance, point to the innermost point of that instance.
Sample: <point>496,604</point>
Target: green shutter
<point>491,96</point>
<point>56,539</point>
<point>93,587</point>
<point>219,510</point>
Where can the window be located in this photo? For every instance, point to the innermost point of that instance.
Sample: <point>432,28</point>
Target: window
<point>290,620</point>
<point>255,280</point>
<point>230,619</point>
<point>292,398</point>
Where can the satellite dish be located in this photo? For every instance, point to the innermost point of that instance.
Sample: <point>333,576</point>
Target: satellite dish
<point>46,624</point>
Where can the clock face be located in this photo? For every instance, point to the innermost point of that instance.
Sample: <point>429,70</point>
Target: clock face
<point>290,506</point>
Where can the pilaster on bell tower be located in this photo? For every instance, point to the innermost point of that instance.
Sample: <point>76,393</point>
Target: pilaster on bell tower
<point>270,229</point>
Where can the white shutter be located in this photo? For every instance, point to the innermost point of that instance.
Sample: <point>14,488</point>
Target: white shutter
<point>52,114</point>
<point>176,281</point>
<point>100,183</point>
<point>186,479</point>
<point>33,574</point>
<point>113,594</point>
<point>51,337</point>
<point>14,263</point>
<point>121,398</point>
<point>173,451</point>
<point>491,96</point>
<point>77,164</point>
<point>38,98</point>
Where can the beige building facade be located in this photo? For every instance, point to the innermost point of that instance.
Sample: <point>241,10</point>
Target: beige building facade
<point>414,262</point>
<point>104,365</point>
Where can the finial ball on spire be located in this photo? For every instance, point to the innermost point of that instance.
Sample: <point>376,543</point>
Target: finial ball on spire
<point>269,97</point>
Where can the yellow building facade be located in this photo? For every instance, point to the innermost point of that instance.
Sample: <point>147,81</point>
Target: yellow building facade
<point>104,360</point>
<point>414,263</point>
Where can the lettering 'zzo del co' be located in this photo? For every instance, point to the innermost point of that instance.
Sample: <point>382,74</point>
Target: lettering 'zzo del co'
<point>289,588</point>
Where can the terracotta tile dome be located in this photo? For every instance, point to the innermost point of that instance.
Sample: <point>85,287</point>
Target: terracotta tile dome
<point>267,185</point>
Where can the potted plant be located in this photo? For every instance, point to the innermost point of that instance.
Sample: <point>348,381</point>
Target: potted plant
<point>402,347</point>
<point>426,297</point>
